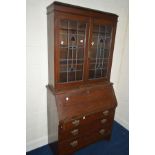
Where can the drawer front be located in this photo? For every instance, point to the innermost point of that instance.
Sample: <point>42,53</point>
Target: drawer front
<point>68,147</point>
<point>84,129</point>
<point>72,145</point>
<point>85,120</point>
<point>100,134</point>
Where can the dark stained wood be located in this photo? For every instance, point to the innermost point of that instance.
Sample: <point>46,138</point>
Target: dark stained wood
<point>65,147</point>
<point>68,130</point>
<point>68,8</point>
<point>84,100</point>
<point>76,87</point>
<point>86,108</point>
<point>90,118</point>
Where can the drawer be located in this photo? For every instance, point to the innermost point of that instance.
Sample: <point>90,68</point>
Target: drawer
<point>86,119</point>
<point>101,134</point>
<point>84,129</point>
<point>70,146</point>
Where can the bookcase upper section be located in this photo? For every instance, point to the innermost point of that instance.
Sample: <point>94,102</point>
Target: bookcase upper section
<point>80,45</point>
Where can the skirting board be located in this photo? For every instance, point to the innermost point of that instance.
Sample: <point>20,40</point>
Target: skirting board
<point>121,121</point>
<point>40,142</point>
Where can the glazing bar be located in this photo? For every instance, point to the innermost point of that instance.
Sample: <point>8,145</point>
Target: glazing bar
<point>97,51</point>
<point>68,48</point>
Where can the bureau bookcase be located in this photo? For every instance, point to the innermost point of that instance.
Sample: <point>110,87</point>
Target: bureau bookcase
<point>80,51</point>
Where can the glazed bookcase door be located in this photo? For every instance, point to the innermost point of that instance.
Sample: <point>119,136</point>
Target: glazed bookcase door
<point>72,44</point>
<point>100,50</point>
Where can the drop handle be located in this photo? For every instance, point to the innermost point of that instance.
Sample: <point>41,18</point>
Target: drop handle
<point>103,121</point>
<point>102,131</point>
<point>76,122</point>
<point>74,143</point>
<point>106,112</point>
<point>75,132</point>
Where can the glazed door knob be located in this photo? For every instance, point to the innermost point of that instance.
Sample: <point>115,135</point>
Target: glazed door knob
<point>67,98</point>
<point>92,43</point>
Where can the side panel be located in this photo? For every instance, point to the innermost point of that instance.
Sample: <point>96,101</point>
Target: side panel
<point>50,30</point>
<point>52,117</point>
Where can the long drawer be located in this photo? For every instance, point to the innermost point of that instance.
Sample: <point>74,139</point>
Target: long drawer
<point>69,146</point>
<point>85,120</point>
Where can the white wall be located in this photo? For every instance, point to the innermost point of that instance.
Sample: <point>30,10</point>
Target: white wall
<point>37,75</point>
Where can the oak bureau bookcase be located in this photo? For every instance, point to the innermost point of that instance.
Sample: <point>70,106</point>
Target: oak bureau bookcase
<point>80,51</point>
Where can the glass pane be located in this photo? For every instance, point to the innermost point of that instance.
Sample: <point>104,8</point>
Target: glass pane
<point>99,52</point>
<point>72,43</point>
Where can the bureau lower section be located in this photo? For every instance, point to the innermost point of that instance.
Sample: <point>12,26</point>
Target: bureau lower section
<point>85,115</point>
<point>84,130</point>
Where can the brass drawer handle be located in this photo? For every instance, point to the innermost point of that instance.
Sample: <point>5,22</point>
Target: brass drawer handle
<point>76,122</point>
<point>103,121</point>
<point>75,132</point>
<point>74,143</point>
<point>102,131</point>
<point>106,112</point>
